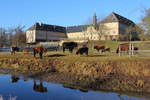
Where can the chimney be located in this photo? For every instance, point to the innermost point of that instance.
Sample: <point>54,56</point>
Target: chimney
<point>40,23</point>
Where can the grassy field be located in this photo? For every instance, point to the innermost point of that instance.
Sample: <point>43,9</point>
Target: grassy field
<point>93,54</point>
<point>143,46</point>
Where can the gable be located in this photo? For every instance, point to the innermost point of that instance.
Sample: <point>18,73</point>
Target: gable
<point>110,18</point>
<point>113,17</point>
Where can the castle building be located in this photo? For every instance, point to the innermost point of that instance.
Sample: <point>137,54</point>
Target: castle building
<point>110,28</point>
<point>45,33</point>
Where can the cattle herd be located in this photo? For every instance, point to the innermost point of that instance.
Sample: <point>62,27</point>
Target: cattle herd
<point>70,46</point>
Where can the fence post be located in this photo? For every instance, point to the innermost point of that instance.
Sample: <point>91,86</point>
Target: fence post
<point>132,48</point>
<point>119,50</point>
<point>129,49</point>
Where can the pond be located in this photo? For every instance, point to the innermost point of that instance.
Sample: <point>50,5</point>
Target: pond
<point>20,88</point>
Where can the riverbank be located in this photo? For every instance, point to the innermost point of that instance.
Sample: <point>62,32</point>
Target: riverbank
<point>93,72</point>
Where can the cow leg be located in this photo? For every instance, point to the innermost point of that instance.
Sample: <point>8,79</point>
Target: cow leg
<point>77,53</point>
<point>13,52</point>
<point>102,51</point>
<point>56,49</point>
<point>109,50</point>
<point>63,49</point>
<point>87,53</point>
<point>34,53</point>
<point>41,54</point>
<point>71,50</point>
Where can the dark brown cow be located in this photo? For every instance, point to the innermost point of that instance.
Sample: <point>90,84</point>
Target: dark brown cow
<point>40,50</point>
<point>125,48</point>
<point>70,46</point>
<point>98,48</point>
<point>136,48</point>
<point>106,49</point>
<point>83,50</point>
<point>14,49</point>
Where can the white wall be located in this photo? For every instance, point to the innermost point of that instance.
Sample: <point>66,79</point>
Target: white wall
<point>33,35</point>
<point>112,28</point>
<point>30,36</point>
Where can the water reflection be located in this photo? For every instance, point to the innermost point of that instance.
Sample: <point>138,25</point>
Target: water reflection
<point>9,98</point>
<point>28,89</point>
<point>39,87</point>
<point>14,79</point>
<point>75,88</point>
<point>25,78</point>
<point>121,97</point>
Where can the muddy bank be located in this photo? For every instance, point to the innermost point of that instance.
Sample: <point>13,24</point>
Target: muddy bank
<point>116,75</point>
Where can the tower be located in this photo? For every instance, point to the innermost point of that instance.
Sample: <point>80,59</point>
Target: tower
<point>94,19</point>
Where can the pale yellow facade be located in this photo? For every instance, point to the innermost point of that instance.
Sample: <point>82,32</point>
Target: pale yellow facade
<point>109,31</point>
<point>110,28</point>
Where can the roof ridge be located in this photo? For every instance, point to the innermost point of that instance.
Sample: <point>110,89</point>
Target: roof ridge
<point>47,27</point>
<point>121,16</point>
<point>79,25</point>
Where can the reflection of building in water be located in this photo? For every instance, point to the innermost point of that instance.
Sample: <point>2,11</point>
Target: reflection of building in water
<point>9,98</point>
<point>14,79</point>
<point>39,87</point>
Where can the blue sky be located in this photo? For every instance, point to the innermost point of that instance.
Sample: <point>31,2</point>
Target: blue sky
<point>66,12</point>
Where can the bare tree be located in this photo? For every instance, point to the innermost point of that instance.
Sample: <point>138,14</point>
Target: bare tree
<point>88,32</point>
<point>146,21</point>
<point>96,30</point>
<point>133,32</point>
<point>3,37</point>
<point>12,36</point>
<point>91,32</point>
<point>85,34</point>
<point>101,30</point>
<point>19,37</point>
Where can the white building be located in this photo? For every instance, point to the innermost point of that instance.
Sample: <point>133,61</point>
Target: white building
<point>109,28</point>
<point>45,33</point>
